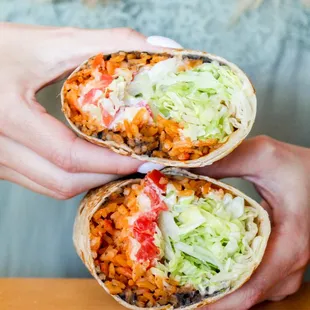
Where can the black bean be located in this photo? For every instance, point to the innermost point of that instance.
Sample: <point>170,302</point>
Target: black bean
<point>138,141</point>
<point>203,58</point>
<point>131,143</point>
<point>129,296</point>
<point>187,298</point>
<point>173,300</point>
<point>134,298</point>
<point>196,297</point>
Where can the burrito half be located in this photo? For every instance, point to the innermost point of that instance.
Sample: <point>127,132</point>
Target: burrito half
<point>171,240</point>
<point>179,108</point>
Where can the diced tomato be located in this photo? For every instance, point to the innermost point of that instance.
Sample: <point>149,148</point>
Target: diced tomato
<point>155,176</point>
<point>145,224</point>
<point>148,250</point>
<point>106,80</point>
<point>140,237</point>
<point>107,118</point>
<point>151,192</point>
<point>89,97</point>
<point>160,207</point>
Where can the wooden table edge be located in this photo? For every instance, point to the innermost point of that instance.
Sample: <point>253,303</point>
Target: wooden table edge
<point>81,294</point>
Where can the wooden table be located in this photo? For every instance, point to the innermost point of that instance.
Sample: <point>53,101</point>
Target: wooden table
<point>86,294</point>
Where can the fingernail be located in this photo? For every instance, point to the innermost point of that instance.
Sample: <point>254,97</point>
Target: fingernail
<point>163,41</point>
<point>145,168</point>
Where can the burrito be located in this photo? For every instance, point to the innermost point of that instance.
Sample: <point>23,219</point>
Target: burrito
<point>170,240</point>
<point>178,108</point>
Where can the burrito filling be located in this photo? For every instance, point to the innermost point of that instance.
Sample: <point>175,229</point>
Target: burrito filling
<point>157,105</point>
<point>168,240</point>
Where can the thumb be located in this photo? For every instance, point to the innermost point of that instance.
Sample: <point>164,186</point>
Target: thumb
<point>253,158</point>
<point>67,48</point>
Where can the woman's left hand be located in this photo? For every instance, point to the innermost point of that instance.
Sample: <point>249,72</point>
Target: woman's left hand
<point>36,150</point>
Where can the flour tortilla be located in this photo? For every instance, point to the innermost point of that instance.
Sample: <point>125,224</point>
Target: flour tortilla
<point>94,199</point>
<point>234,140</point>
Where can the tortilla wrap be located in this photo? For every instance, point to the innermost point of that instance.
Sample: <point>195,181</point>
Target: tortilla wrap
<point>95,198</point>
<point>247,107</point>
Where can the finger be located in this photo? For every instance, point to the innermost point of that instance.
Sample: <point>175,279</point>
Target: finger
<point>267,207</point>
<point>41,171</point>
<point>287,287</point>
<point>51,139</point>
<point>264,161</point>
<point>156,41</point>
<point>54,50</point>
<point>250,159</point>
<point>66,48</point>
<point>17,178</point>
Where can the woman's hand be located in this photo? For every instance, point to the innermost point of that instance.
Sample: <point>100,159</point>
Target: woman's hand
<point>281,174</point>
<point>36,150</point>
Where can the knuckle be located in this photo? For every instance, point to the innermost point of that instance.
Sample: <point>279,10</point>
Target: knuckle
<point>267,146</point>
<point>63,159</point>
<point>128,32</point>
<point>277,298</point>
<point>60,196</point>
<point>252,300</point>
<point>65,190</point>
<point>294,290</point>
<point>254,296</point>
<point>302,251</point>
<point>117,170</point>
<point>303,257</point>
<point>127,166</point>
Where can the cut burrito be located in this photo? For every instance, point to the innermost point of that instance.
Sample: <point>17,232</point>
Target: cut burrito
<point>170,240</point>
<point>179,108</point>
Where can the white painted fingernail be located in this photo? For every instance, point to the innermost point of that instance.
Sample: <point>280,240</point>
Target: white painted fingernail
<point>163,41</point>
<point>145,168</point>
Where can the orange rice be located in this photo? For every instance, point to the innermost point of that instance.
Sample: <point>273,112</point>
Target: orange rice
<point>110,246</point>
<point>160,140</point>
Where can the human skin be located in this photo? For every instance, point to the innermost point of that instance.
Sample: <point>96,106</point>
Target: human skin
<point>36,150</point>
<point>281,175</point>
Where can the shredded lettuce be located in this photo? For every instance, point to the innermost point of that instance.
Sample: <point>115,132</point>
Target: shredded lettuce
<point>209,99</point>
<point>208,242</point>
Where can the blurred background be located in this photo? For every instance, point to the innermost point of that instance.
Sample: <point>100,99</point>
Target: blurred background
<point>269,40</point>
